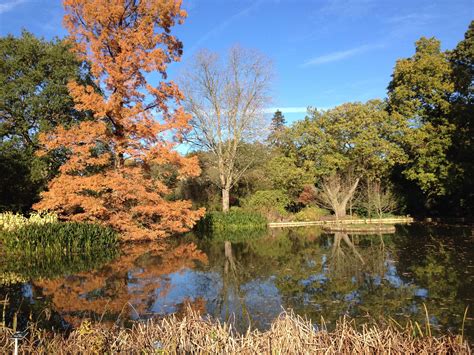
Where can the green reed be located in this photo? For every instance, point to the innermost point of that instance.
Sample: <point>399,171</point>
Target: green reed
<point>234,222</point>
<point>57,238</point>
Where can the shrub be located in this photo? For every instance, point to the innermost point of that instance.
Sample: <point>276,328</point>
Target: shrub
<point>311,214</point>
<point>57,237</point>
<point>236,222</point>
<point>270,203</point>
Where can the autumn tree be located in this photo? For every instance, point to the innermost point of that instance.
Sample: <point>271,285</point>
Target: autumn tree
<point>106,178</point>
<point>227,101</point>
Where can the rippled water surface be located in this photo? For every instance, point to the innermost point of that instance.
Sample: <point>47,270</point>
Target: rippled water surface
<point>251,282</point>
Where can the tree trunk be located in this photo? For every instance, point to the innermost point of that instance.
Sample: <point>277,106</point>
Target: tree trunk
<point>338,194</point>
<point>369,199</point>
<point>225,199</point>
<point>340,210</point>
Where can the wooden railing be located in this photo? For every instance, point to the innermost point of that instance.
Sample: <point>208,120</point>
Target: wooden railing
<point>396,220</point>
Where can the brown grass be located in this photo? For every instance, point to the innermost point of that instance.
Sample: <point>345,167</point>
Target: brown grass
<point>288,334</point>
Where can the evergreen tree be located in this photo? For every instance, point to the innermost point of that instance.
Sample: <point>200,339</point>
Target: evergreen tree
<point>277,128</point>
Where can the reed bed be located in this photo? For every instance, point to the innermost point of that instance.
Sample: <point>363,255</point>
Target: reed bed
<point>288,334</point>
<point>57,238</point>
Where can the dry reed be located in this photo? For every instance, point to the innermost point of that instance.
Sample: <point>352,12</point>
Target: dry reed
<point>288,334</point>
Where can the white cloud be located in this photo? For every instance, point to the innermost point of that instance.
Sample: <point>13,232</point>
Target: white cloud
<point>294,109</point>
<point>410,18</point>
<point>340,55</point>
<point>7,6</point>
<point>287,109</point>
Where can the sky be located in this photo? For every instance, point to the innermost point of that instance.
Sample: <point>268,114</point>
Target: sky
<point>324,52</point>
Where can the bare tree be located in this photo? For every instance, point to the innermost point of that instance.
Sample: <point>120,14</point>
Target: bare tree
<point>336,192</point>
<point>227,101</point>
<point>382,199</point>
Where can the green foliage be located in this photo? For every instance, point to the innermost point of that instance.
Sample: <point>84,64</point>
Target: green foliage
<point>461,185</point>
<point>270,203</point>
<point>286,174</point>
<point>360,137</point>
<point>204,191</point>
<point>311,213</point>
<point>59,238</point>
<point>33,98</point>
<point>236,224</point>
<point>419,95</point>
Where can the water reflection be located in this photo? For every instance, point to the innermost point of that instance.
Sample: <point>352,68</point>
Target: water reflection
<point>250,282</point>
<point>123,289</point>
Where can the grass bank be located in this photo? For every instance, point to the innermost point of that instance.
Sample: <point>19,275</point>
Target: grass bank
<point>288,334</point>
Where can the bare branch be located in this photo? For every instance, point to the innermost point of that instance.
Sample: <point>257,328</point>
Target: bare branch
<point>227,101</point>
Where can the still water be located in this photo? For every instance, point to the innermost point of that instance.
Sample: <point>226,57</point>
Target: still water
<point>367,277</point>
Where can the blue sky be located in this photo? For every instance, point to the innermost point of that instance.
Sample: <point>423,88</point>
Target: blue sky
<point>325,52</point>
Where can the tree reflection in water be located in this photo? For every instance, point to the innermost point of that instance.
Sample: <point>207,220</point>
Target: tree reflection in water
<point>124,288</point>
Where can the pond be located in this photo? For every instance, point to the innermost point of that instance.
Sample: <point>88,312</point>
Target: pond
<point>250,282</point>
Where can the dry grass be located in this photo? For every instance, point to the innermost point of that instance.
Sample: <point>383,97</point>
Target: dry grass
<point>289,334</point>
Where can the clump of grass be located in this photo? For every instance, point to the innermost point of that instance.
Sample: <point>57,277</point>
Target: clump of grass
<point>57,238</point>
<point>191,334</point>
<point>236,222</point>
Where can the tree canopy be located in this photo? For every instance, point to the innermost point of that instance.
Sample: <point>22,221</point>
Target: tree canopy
<point>342,145</point>
<point>33,98</point>
<point>107,175</point>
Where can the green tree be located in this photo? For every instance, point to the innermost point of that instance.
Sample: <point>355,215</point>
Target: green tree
<point>270,203</point>
<point>342,145</point>
<point>419,95</point>
<point>287,174</point>
<point>461,187</point>
<point>33,98</point>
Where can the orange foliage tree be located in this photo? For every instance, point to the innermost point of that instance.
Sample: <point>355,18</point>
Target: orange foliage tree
<point>107,177</point>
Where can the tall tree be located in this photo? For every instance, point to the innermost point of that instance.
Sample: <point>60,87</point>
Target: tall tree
<point>107,175</point>
<point>345,144</point>
<point>419,94</point>
<point>33,98</point>
<point>227,101</point>
<point>461,183</point>
<point>277,129</point>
